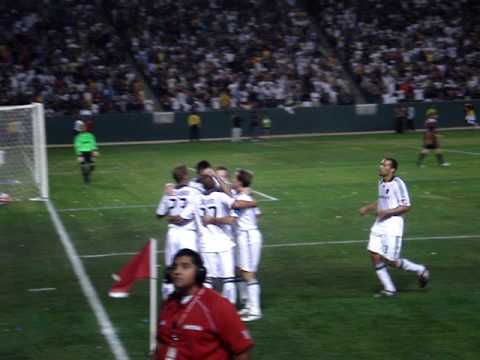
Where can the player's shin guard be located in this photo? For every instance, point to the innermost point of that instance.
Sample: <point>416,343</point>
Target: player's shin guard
<point>253,289</point>
<point>229,290</point>
<point>384,277</point>
<point>407,265</point>
<point>167,289</point>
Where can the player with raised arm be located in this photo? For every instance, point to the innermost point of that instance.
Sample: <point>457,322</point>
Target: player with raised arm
<point>249,247</point>
<point>179,235</point>
<point>386,233</point>
<point>86,150</point>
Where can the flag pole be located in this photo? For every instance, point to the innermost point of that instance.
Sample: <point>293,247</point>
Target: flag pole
<point>153,295</point>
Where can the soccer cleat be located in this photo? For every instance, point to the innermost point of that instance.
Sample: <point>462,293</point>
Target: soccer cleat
<point>423,278</point>
<point>385,293</point>
<point>445,164</point>
<point>250,317</point>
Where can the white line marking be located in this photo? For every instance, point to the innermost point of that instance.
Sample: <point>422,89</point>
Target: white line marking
<point>448,150</point>
<point>41,289</point>
<point>106,326</point>
<point>461,152</point>
<point>313,243</point>
<point>265,195</point>
<point>114,207</point>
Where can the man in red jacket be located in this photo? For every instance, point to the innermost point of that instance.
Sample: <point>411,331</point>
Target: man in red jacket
<point>195,322</point>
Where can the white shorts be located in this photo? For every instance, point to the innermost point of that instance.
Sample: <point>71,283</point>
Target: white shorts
<point>387,245</point>
<point>219,264</point>
<point>249,249</point>
<point>177,239</point>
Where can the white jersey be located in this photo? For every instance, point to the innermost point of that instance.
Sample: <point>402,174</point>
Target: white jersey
<point>196,185</point>
<point>391,195</point>
<point>175,204</point>
<point>247,218</point>
<point>212,238</point>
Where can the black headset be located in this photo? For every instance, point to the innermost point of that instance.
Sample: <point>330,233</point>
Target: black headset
<point>201,273</point>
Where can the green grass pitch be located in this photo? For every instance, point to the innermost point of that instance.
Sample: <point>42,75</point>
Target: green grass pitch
<point>317,293</point>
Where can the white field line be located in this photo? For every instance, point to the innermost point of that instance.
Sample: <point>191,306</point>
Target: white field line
<point>312,243</point>
<point>41,289</point>
<point>271,198</point>
<point>286,136</point>
<point>265,195</point>
<point>106,326</point>
<point>450,151</point>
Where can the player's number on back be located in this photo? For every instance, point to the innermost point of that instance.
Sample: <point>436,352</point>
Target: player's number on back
<point>210,211</point>
<point>173,202</point>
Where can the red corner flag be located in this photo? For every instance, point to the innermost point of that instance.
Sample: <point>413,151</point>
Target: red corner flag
<point>137,268</point>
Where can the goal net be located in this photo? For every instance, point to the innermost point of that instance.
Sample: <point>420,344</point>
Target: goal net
<point>23,156</point>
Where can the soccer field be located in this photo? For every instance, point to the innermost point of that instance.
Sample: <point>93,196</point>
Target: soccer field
<point>317,281</point>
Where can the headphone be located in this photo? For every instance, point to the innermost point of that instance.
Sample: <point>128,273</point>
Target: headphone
<point>200,274</point>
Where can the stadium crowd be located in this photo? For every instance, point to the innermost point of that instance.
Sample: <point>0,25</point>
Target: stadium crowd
<point>65,55</point>
<point>408,50</point>
<point>214,54</point>
<point>75,56</point>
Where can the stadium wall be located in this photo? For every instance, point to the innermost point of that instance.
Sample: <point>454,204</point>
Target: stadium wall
<point>138,127</point>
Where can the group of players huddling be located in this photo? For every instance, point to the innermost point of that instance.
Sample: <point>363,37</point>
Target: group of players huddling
<point>218,218</point>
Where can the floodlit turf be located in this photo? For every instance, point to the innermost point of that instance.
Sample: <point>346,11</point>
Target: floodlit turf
<point>317,299</point>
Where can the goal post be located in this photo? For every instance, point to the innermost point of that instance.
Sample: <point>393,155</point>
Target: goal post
<point>23,154</point>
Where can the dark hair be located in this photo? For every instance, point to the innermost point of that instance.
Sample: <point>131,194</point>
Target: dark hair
<point>195,256</point>
<point>202,165</point>
<point>207,182</point>
<point>180,173</point>
<point>245,177</point>
<point>393,162</point>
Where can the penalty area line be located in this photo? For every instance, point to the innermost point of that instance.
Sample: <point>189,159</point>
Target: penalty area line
<point>106,326</point>
<point>310,243</point>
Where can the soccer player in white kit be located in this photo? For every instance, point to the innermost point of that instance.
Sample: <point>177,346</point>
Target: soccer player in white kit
<point>180,235</point>
<point>386,233</point>
<point>249,247</point>
<point>213,215</point>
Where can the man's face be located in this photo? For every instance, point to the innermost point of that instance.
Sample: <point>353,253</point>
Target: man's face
<point>224,175</point>
<point>385,168</point>
<point>183,275</point>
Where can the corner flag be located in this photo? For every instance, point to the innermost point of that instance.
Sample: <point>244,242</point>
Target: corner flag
<point>142,266</point>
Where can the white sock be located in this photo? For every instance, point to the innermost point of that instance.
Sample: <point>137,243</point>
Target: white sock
<point>253,289</point>
<point>407,265</point>
<point>384,277</point>
<point>167,289</point>
<point>229,290</point>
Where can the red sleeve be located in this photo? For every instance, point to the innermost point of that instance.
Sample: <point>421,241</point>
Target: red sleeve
<point>230,328</point>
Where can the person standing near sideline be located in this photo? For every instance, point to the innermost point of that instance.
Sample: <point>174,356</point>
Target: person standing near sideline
<point>194,124</point>
<point>195,322</point>
<point>386,233</point>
